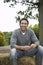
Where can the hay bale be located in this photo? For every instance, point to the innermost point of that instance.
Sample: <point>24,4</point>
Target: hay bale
<point>5,60</point>
<point>26,61</point>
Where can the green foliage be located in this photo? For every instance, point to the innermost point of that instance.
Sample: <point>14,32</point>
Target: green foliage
<point>8,36</point>
<point>2,39</point>
<point>6,1</point>
<point>36,29</point>
<point>5,38</point>
<point>17,18</point>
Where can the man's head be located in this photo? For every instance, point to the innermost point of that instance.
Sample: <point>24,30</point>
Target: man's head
<point>23,24</point>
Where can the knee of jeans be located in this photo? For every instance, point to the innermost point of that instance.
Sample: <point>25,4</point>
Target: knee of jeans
<point>40,48</point>
<point>13,53</point>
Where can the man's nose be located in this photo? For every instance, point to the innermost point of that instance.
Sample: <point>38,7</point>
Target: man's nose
<point>23,25</point>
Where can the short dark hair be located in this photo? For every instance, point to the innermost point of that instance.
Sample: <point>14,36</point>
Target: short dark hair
<point>24,19</point>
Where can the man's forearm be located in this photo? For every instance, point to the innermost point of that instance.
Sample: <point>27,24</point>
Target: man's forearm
<point>33,45</point>
<point>19,47</point>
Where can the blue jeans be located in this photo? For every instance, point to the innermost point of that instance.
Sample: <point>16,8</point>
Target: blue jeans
<point>15,54</point>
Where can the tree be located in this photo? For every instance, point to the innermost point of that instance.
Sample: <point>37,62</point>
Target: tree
<point>41,21</point>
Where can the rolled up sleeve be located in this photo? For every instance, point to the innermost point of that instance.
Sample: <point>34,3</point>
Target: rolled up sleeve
<point>13,40</point>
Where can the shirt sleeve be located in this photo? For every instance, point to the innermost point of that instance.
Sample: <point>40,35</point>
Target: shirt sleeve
<point>13,40</point>
<point>34,39</point>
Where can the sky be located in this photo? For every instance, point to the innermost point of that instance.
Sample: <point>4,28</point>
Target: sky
<point>7,17</point>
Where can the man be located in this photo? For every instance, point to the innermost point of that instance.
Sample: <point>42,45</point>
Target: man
<point>21,39</point>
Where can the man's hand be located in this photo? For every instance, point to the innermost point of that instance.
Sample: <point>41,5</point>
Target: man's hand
<point>25,48</point>
<point>33,45</point>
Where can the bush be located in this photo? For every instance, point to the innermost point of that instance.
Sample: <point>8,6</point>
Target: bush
<point>8,36</point>
<point>2,39</point>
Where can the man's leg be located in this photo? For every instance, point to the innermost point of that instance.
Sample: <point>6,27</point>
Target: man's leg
<point>38,60</point>
<point>37,53</point>
<point>15,54</point>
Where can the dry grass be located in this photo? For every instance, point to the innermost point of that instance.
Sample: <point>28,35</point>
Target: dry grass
<point>26,61</point>
<point>4,55</point>
<point>5,60</point>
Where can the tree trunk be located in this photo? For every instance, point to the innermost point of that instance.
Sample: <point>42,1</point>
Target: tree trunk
<point>41,22</point>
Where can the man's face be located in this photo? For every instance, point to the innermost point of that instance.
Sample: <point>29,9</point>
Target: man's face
<point>23,25</point>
